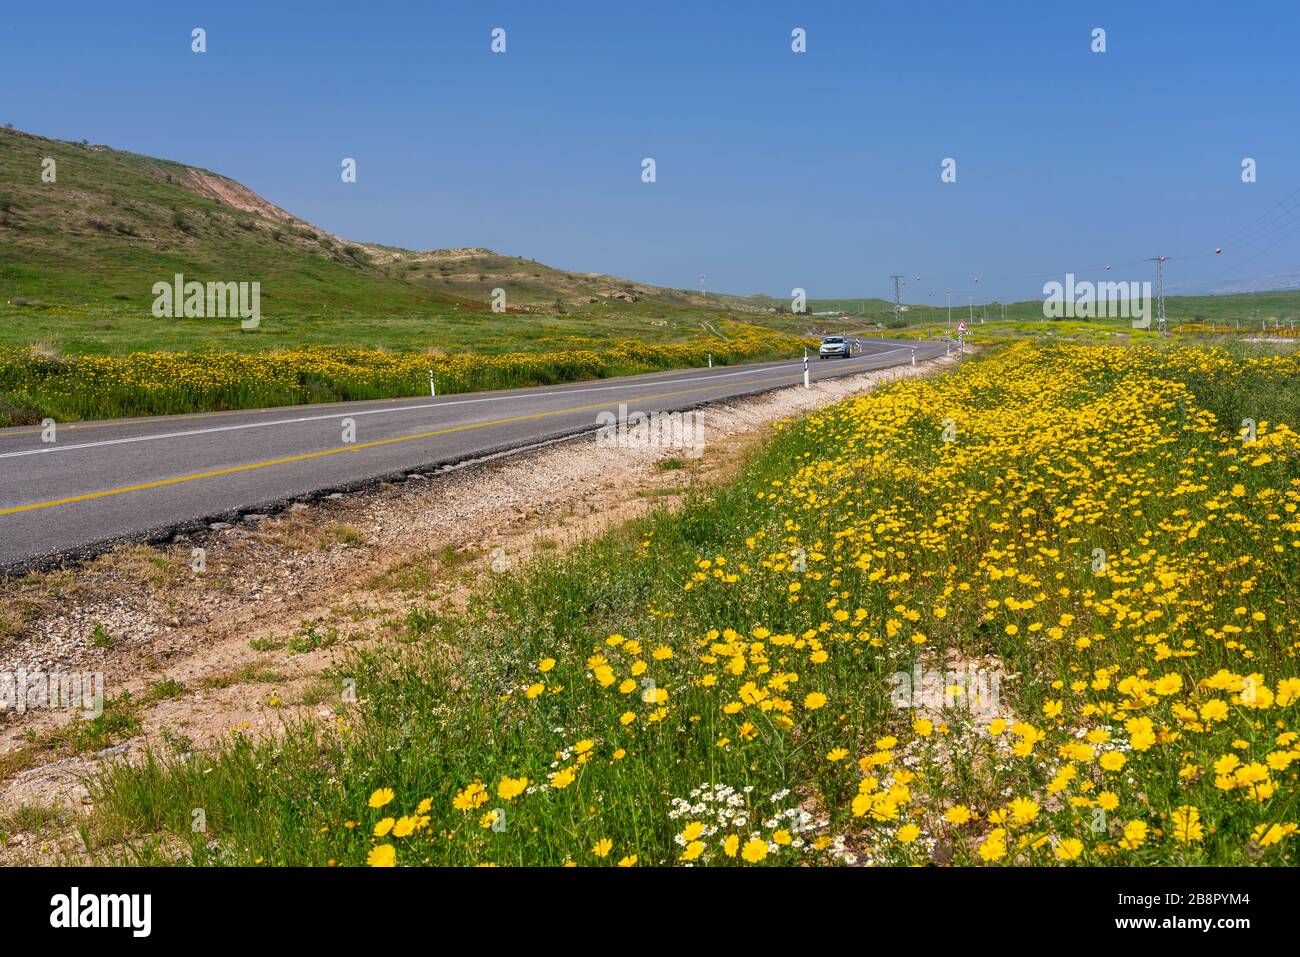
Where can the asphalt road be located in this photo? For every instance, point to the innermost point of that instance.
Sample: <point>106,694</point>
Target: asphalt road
<point>139,479</point>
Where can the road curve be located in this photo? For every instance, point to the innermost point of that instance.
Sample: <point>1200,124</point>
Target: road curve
<point>139,479</point>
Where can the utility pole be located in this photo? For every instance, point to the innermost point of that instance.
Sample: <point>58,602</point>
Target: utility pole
<point>950,310</point>
<point>970,309</point>
<point>702,292</point>
<point>1160,292</point>
<point>898,306</point>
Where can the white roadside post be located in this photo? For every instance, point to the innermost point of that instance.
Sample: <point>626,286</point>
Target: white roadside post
<point>913,355</point>
<point>806,383</point>
<point>433,389</point>
<point>710,360</point>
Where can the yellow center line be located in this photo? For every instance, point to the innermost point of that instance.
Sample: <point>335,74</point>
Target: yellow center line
<point>161,483</point>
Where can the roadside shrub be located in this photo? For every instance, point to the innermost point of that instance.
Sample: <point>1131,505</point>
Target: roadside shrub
<point>16,410</point>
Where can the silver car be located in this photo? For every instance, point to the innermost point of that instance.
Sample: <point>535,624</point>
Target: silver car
<point>835,347</point>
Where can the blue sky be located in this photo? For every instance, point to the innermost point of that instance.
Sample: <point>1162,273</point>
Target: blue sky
<point>774,169</point>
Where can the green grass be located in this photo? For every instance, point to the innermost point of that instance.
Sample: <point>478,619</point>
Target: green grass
<point>100,638</point>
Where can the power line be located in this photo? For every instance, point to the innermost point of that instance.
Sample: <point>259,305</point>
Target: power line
<point>1292,232</point>
<point>1262,228</point>
<point>1045,275</point>
<point>1288,196</point>
<point>1265,233</point>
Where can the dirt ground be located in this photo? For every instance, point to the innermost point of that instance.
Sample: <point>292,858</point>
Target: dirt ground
<point>248,642</point>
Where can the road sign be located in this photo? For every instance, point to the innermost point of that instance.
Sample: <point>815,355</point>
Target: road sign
<point>961,327</point>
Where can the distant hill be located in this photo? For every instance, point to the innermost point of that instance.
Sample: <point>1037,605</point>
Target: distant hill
<point>475,272</point>
<point>1278,282</point>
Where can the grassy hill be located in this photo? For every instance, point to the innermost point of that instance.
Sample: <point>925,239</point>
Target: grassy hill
<point>80,256</point>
